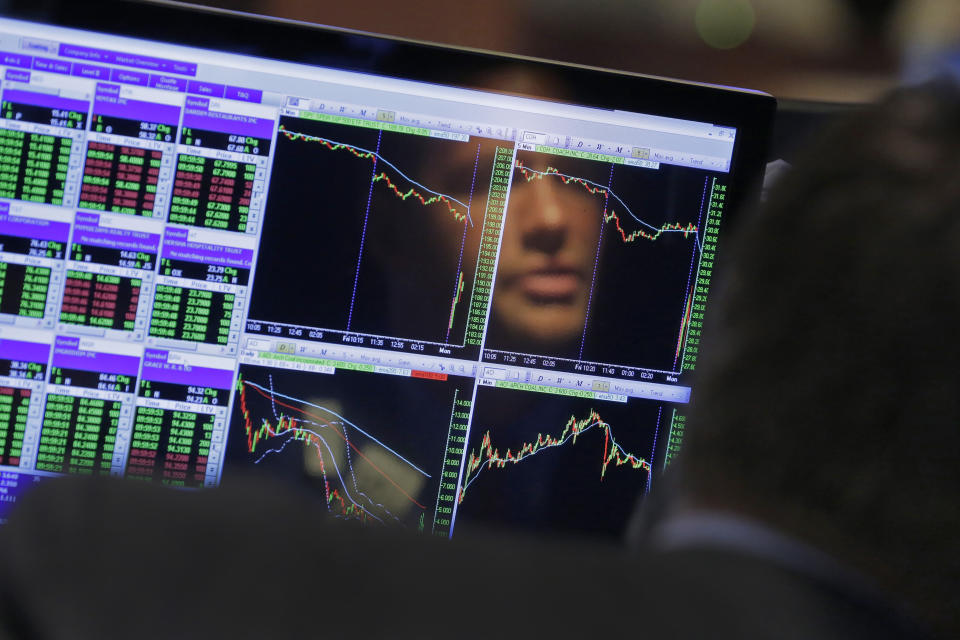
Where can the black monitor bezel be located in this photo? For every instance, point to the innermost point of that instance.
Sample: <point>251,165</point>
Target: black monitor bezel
<point>750,112</point>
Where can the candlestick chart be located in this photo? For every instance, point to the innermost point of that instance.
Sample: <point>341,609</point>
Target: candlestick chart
<point>377,463</point>
<point>570,464</point>
<point>488,456</point>
<point>391,219</point>
<point>424,195</point>
<point>612,202</point>
<point>623,243</point>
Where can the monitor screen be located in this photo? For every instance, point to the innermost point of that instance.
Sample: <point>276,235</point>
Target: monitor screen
<point>438,302</point>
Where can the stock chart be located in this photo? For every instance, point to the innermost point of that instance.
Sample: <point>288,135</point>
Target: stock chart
<point>381,231</point>
<point>598,261</point>
<point>371,447</point>
<point>556,464</point>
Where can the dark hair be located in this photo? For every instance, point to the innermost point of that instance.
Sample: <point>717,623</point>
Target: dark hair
<point>828,396</point>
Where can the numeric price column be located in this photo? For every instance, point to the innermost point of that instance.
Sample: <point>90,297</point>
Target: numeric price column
<point>110,275</point>
<point>129,160</point>
<point>223,163</point>
<point>179,428</point>
<point>213,192</point>
<point>486,264</point>
<point>88,406</point>
<point>33,241</point>
<point>40,140</point>
<point>701,286</point>
<point>201,290</point>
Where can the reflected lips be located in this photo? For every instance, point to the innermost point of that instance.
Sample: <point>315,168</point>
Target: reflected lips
<point>550,285</point>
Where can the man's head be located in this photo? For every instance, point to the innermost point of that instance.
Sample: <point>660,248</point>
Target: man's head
<point>828,400</point>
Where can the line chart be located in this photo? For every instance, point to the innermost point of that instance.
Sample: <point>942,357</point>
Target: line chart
<point>316,427</point>
<point>365,446</point>
<point>597,262</point>
<point>396,219</point>
<point>366,154</point>
<point>554,463</point>
<point>594,188</point>
<point>490,457</point>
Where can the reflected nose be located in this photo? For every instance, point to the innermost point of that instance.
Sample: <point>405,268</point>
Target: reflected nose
<point>545,226</point>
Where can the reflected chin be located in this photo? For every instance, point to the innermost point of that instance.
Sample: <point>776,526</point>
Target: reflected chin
<point>542,323</point>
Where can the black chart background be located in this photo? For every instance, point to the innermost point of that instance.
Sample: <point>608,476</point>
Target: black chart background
<point>313,227</point>
<point>410,415</point>
<point>558,489</point>
<point>640,289</point>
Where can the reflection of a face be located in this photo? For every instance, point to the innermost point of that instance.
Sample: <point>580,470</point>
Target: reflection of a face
<point>546,261</point>
<point>549,244</point>
<point>546,258</point>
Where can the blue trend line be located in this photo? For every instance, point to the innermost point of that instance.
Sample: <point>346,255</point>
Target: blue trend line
<point>342,483</point>
<point>608,190</point>
<point>392,166</point>
<point>334,413</point>
<point>337,468</point>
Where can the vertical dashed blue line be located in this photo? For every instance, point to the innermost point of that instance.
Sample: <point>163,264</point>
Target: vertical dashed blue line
<point>596,262</point>
<point>703,198</point>
<point>693,258</point>
<point>653,450</point>
<point>363,236</point>
<point>463,240</point>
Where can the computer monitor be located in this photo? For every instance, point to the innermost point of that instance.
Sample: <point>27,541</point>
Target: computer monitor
<point>436,289</point>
